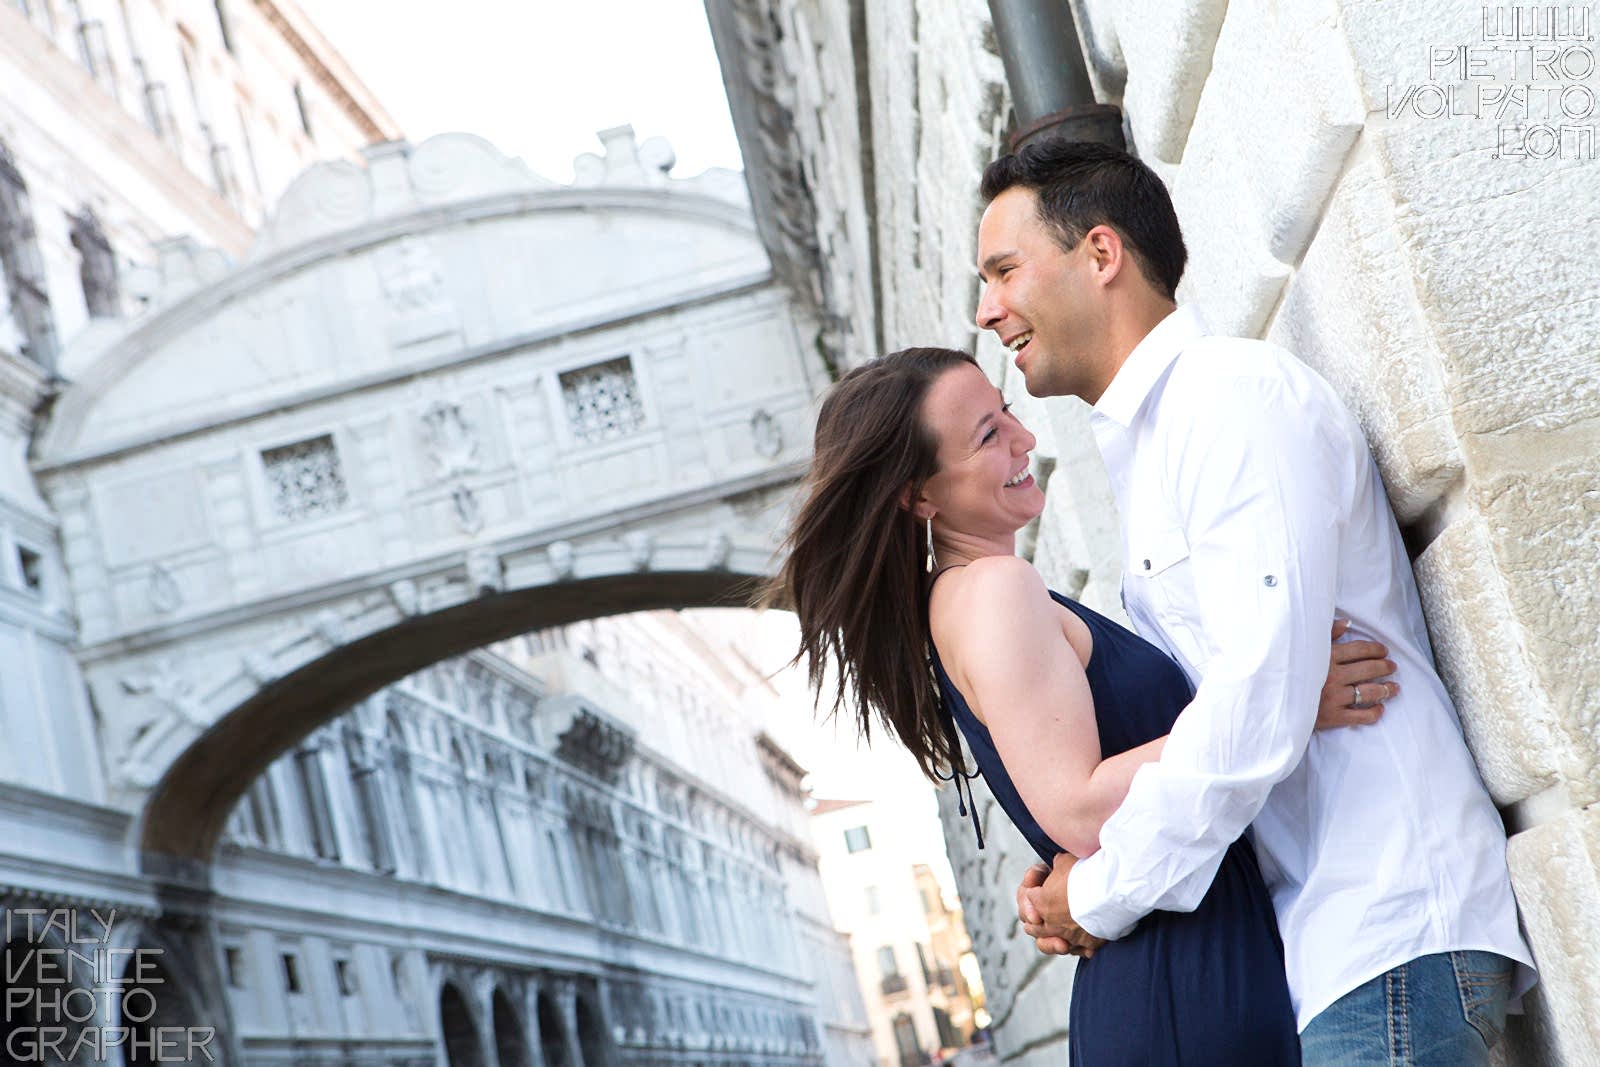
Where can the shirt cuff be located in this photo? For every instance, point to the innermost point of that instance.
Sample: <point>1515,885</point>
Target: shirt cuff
<point>1090,901</point>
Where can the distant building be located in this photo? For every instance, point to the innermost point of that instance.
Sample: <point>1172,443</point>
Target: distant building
<point>571,870</point>
<point>912,953</point>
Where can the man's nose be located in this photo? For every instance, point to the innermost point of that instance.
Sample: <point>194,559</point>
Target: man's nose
<point>989,310</point>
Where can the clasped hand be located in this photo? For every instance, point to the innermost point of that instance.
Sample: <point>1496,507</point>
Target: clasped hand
<point>1042,898</point>
<point>1042,909</point>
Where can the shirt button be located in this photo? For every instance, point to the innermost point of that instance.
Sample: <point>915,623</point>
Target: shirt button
<point>1271,580</point>
<point>1146,564</point>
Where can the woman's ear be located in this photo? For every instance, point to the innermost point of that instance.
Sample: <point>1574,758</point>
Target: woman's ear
<point>920,506</point>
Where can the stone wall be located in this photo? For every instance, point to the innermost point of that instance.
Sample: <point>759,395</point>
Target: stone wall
<point>1434,270</point>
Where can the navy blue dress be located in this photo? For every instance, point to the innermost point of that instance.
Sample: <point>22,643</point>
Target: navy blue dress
<point>1193,988</point>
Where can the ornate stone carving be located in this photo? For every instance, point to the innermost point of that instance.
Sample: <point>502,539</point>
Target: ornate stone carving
<point>327,625</point>
<point>485,572</point>
<point>592,744</point>
<point>466,509</point>
<point>626,162</point>
<point>406,597</point>
<point>562,559</point>
<point>413,285</point>
<point>719,550</point>
<point>165,596</point>
<point>766,434</point>
<point>305,480</point>
<point>411,278</point>
<point>641,548</point>
<point>451,440</point>
<point>178,711</point>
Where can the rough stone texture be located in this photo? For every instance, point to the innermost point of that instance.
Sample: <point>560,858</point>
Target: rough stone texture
<point>1553,869</point>
<point>1247,226</point>
<point>1509,719</point>
<point>1336,319</point>
<point>1544,525</point>
<point>1168,50</point>
<point>1448,296</point>
<point>1490,241</point>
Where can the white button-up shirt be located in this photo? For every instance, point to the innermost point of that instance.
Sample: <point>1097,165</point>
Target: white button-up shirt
<point>1252,515</point>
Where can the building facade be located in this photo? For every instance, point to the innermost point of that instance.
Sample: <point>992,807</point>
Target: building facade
<point>1332,205</point>
<point>508,852</point>
<point>913,957</point>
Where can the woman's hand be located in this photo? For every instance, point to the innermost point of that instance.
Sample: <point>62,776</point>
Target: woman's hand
<point>1354,693</point>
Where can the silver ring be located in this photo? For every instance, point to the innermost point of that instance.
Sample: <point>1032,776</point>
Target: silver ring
<point>1357,690</point>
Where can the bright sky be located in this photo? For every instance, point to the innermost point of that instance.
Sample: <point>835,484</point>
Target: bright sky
<point>538,78</point>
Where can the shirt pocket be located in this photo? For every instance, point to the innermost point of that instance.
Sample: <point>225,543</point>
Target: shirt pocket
<point>1159,578</point>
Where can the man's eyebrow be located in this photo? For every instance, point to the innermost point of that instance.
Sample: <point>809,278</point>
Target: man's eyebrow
<point>989,264</point>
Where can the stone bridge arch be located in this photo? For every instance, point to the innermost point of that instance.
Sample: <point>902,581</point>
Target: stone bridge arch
<point>442,402</point>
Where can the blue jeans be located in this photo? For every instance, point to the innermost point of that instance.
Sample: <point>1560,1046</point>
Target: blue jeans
<point>1444,1010</point>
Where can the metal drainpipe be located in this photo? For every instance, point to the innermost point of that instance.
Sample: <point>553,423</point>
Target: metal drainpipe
<point>1049,83</point>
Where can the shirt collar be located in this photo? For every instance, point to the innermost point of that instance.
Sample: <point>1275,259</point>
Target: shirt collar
<point>1147,362</point>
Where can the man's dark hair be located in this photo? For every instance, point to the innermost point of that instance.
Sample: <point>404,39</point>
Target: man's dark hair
<point>1084,184</point>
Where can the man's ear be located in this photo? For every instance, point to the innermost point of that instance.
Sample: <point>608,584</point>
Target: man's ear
<point>1106,252</point>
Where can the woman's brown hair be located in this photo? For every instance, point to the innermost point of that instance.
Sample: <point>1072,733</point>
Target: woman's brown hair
<point>855,572</point>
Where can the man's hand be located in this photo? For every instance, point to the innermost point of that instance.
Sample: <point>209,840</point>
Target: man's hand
<point>1042,909</point>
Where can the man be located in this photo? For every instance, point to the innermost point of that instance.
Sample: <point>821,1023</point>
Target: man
<point>1252,512</point>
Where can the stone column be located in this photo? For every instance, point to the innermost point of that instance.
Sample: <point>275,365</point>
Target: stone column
<point>565,994</point>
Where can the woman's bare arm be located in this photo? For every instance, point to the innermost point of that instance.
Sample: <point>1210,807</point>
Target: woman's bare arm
<point>1026,684</point>
<point>1000,633</point>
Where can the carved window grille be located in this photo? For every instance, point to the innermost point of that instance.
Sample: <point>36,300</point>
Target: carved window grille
<point>97,266</point>
<point>305,479</point>
<point>23,266</point>
<point>603,401</point>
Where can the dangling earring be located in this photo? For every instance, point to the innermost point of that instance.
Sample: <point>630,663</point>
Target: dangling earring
<point>930,544</point>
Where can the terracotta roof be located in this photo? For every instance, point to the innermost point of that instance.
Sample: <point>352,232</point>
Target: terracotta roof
<point>825,807</point>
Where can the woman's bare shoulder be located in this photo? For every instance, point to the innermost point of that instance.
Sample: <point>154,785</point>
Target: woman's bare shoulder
<point>988,596</point>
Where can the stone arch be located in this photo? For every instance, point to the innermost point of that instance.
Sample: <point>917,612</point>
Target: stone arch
<point>458,1029</point>
<point>510,1036</point>
<point>188,808</point>
<point>552,1032</point>
<point>158,1002</point>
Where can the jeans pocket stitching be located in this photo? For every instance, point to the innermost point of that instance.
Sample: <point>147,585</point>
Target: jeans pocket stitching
<point>1476,990</point>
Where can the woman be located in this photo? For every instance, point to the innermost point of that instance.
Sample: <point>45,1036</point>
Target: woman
<point>901,569</point>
